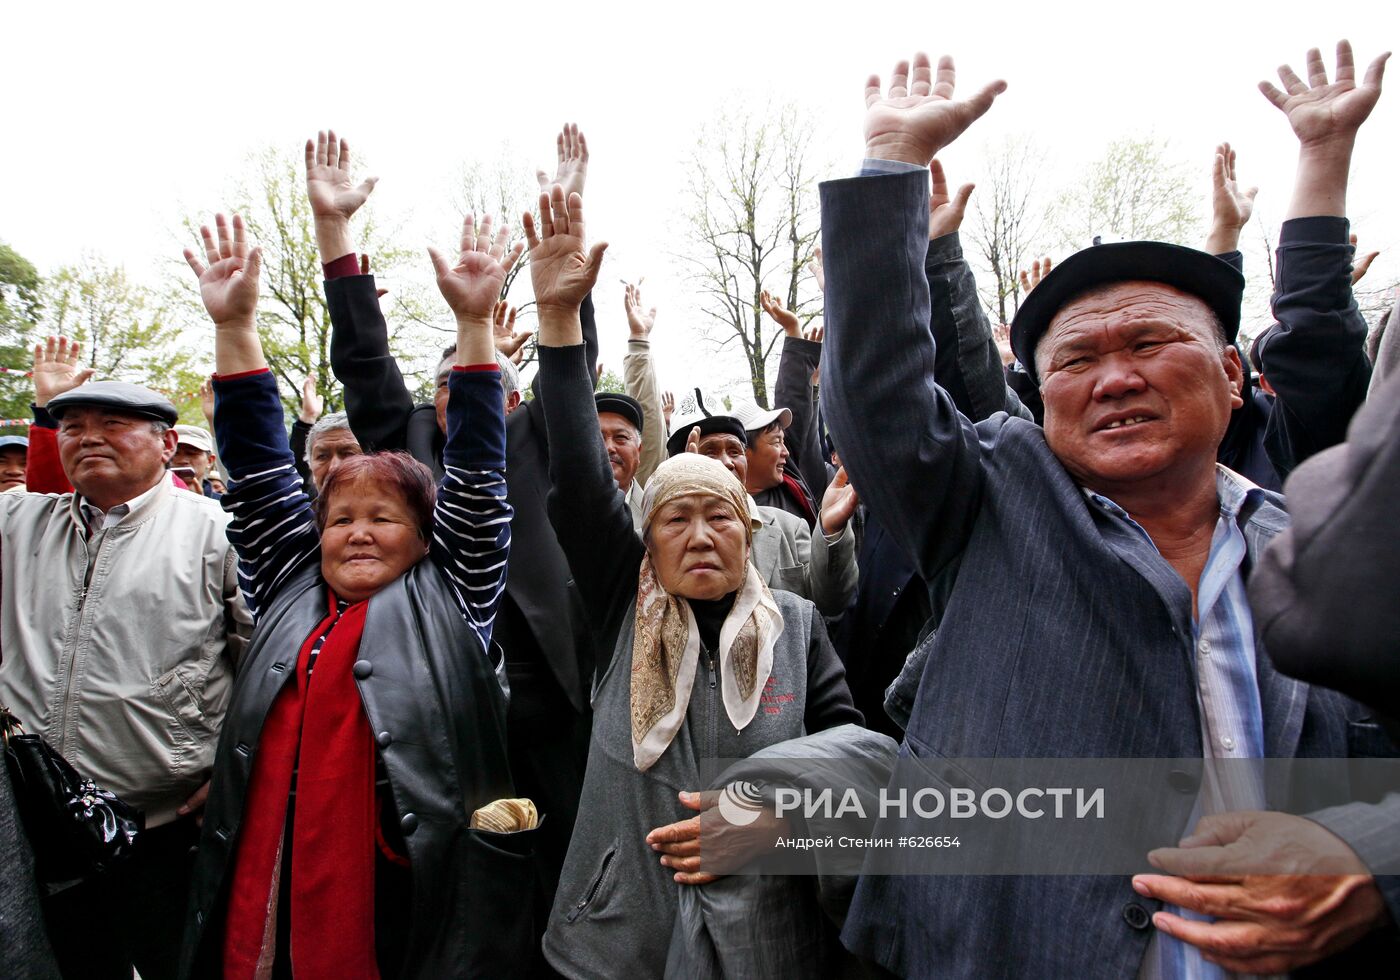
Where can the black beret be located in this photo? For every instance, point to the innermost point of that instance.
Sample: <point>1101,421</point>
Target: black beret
<point>624,405</point>
<point>1214,281</point>
<point>117,396</point>
<point>708,426</point>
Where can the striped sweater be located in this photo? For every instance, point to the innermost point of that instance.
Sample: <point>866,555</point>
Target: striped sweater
<point>273,527</point>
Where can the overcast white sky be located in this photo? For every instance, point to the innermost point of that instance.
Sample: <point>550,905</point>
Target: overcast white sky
<point>119,115</point>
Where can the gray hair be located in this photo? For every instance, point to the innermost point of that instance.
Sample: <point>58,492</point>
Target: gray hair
<point>510,374</point>
<point>326,423</point>
<point>160,427</point>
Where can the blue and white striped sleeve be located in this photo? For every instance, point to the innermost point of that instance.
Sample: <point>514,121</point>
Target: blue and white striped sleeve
<point>471,522</point>
<point>272,529</point>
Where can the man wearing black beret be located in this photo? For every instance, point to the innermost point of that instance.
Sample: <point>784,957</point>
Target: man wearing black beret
<point>620,418</point>
<point>1093,573</point>
<point>123,623</point>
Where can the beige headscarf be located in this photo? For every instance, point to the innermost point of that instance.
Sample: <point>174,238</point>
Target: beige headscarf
<point>666,641</point>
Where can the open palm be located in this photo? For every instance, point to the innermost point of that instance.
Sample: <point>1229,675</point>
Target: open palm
<point>228,276</point>
<point>1318,109</point>
<point>562,268</point>
<point>912,121</point>
<point>473,286</point>
<point>328,183</point>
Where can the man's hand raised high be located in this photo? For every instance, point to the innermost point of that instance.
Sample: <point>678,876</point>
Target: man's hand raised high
<point>57,369</point>
<point>945,213</point>
<point>473,286</point>
<point>916,118</point>
<point>334,195</point>
<point>563,267</point>
<point>1325,117</point>
<point>1320,111</point>
<point>573,162</point>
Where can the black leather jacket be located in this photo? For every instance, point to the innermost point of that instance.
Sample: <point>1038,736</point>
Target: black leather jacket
<point>438,714</point>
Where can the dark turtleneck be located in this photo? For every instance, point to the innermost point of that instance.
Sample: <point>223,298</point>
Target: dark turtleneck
<point>709,617</point>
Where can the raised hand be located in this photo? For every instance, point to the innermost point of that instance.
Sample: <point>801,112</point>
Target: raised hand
<point>692,441</point>
<point>563,267</point>
<point>1230,207</point>
<point>1359,266</point>
<point>1320,111</point>
<point>379,291</point>
<point>911,122</point>
<point>838,503</point>
<point>206,400</point>
<point>56,369</point>
<point>639,320</point>
<point>1040,268</point>
<point>945,214</point>
<point>473,286</point>
<point>780,314</point>
<point>573,162</point>
<point>228,283</point>
<point>668,408</point>
<point>312,404</point>
<point>333,192</point>
<point>508,340</point>
<point>815,267</point>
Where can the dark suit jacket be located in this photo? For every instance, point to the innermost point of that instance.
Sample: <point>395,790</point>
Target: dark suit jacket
<point>1065,635</point>
<point>383,416</point>
<point>1325,593</point>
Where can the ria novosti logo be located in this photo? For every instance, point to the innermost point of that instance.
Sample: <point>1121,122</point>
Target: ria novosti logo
<point>740,803</point>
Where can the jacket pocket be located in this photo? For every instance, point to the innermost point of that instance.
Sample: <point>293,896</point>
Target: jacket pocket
<point>791,579</point>
<point>499,893</point>
<point>174,690</point>
<point>591,895</point>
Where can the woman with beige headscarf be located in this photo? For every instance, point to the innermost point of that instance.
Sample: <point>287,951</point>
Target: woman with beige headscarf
<point>696,658</point>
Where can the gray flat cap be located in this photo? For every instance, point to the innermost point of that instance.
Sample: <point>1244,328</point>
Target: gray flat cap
<point>117,396</point>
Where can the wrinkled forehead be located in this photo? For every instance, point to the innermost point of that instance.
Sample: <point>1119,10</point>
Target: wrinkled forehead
<point>721,442</point>
<point>1123,305</point>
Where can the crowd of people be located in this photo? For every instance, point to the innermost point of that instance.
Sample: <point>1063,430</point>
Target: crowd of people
<point>1102,531</point>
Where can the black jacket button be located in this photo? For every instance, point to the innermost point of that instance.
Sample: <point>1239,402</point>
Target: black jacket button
<point>409,823</point>
<point>1136,916</point>
<point>362,669</point>
<point>384,738</point>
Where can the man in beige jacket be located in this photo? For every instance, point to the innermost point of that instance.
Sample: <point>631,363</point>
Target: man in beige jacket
<point>120,625</point>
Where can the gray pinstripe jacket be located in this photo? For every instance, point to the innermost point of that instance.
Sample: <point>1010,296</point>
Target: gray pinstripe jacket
<point>1066,635</point>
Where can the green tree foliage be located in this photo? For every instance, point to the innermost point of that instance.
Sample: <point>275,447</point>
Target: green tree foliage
<point>20,304</point>
<point>127,333</point>
<point>293,318</point>
<point>1135,191</point>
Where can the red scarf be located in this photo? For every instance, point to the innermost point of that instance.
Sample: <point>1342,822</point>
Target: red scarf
<point>795,489</point>
<point>324,734</point>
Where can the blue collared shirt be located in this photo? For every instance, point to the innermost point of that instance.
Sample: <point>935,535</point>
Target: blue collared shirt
<point>1227,693</point>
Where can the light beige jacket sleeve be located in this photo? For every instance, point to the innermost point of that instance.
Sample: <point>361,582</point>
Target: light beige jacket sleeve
<point>639,378</point>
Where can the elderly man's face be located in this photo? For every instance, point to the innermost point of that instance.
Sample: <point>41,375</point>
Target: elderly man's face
<point>196,459</point>
<point>329,449</point>
<point>624,445</point>
<point>699,547</point>
<point>727,449</point>
<point>509,403</point>
<point>12,460</point>
<point>1135,384</point>
<point>111,457</point>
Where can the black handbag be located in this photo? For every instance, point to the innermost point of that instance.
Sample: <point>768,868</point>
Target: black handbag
<point>75,827</point>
